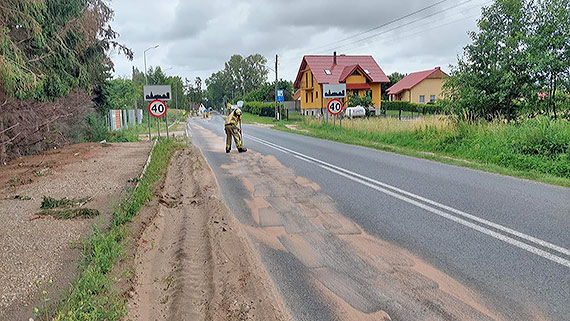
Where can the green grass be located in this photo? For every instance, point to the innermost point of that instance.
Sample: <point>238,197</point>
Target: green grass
<point>91,296</point>
<point>50,202</point>
<point>70,213</point>
<point>537,149</point>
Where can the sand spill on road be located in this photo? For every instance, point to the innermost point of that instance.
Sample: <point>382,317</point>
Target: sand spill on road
<point>364,278</point>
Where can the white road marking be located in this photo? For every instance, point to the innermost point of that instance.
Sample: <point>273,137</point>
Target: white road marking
<point>384,188</point>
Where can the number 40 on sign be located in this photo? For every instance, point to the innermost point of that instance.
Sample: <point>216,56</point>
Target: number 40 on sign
<point>157,108</point>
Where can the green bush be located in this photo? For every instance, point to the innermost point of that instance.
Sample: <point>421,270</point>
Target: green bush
<point>97,129</point>
<point>262,109</point>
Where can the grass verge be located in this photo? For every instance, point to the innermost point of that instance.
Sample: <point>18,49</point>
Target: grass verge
<point>90,296</point>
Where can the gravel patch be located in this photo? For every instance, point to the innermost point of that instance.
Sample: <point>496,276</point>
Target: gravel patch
<point>45,249</point>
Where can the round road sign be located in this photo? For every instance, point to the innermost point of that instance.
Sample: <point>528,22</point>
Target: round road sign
<point>335,106</point>
<point>157,108</point>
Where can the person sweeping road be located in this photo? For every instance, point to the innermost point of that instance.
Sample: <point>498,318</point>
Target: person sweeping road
<point>232,130</point>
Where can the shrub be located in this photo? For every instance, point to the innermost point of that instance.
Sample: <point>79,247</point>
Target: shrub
<point>97,129</point>
<point>262,109</point>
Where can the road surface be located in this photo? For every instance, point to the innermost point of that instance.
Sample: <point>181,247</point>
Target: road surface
<point>394,235</point>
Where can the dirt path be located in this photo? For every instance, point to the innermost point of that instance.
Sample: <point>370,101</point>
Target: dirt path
<point>48,249</point>
<point>194,262</point>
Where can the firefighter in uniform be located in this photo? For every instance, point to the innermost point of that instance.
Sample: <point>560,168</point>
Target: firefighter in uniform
<point>232,130</point>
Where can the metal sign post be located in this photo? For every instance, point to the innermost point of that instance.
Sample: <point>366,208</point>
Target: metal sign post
<point>327,122</point>
<point>157,109</point>
<point>335,107</point>
<point>158,123</point>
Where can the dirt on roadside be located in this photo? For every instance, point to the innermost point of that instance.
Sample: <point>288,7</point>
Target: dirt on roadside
<point>34,250</point>
<point>192,259</point>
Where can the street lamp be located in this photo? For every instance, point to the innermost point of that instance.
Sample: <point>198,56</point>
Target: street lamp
<point>144,54</point>
<point>146,83</point>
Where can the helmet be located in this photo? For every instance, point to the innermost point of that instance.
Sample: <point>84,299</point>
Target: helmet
<point>238,112</point>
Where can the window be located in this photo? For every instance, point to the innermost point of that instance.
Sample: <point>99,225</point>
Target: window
<point>306,81</point>
<point>328,72</point>
<point>355,92</point>
<point>312,96</point>
<point>317,95</point>
<point>306,97</point>
<point>422,99</point>
<point>355,73</point>
<point>432,99</point>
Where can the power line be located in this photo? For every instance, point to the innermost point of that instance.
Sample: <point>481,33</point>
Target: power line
<point>432,28</point>
<point>392,29</point>
<point>380,26</point>
<point>439,26</point>
<point>398,27</point>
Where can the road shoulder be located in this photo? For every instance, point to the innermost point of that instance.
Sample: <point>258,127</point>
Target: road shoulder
<point>192,260</point>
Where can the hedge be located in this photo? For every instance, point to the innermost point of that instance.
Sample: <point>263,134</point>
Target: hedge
<point>262,109</point>
<point>407,106</point>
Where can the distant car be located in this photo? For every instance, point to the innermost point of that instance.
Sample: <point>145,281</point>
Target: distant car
<point>357,111</point>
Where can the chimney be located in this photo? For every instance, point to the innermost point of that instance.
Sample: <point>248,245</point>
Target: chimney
<point>334,58</point>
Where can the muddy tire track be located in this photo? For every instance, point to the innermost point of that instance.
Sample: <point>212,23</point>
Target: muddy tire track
<point>193,261</point>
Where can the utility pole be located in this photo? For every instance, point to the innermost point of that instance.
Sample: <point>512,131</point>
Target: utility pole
<point>276,105</point>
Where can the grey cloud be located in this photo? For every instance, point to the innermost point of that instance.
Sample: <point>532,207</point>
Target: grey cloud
<point>201,35</point>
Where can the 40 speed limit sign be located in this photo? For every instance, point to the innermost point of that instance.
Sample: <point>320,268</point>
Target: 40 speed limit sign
<point>335,106</point>
<point>157,108</point>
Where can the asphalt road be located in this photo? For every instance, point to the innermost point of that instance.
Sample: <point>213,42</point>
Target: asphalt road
<point>506,238</point>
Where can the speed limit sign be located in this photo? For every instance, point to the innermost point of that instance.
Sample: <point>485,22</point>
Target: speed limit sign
<point>157,108</point>
<point>335,106</point>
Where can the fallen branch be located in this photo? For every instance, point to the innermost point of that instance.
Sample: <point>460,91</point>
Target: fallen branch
<point>7,129</point>
<point>10,140</point>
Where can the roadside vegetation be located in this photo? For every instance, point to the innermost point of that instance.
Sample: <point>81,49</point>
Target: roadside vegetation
<point>91,296</point>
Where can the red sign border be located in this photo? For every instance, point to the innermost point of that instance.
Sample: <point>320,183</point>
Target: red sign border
<point>341,106</point>
<point>165,107</point>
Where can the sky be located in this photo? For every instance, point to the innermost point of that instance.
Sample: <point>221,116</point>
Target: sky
<point>195,38</point>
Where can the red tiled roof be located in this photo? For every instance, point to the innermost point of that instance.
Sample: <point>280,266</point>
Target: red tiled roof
<point>413,79</point>
<point>318,64</point>
<point>357,86</point>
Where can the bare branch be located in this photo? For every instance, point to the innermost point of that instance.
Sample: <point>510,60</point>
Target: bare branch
<point>7,129</point>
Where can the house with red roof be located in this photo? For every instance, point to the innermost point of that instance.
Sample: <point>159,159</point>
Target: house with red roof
<point>419,87</point>
<point>362,75</point>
